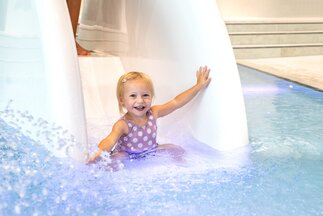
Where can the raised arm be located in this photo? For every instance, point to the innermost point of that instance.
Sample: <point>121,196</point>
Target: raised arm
<point>202,80</point>
<point>108,143</point>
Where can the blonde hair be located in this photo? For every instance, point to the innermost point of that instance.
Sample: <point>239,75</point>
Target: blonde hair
<point>133,75</point>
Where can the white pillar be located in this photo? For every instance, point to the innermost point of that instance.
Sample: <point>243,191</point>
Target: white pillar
<point>62,72</point>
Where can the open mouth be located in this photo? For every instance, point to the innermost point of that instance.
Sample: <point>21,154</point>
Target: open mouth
<point>139,108</point>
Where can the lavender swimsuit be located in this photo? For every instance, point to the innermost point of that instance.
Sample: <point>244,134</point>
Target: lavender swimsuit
<point>140,139</point>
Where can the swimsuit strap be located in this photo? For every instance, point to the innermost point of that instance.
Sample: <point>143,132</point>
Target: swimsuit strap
<point>131,123</point>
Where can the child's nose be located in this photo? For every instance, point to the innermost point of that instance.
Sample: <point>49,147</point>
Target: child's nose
<point>140,99</point>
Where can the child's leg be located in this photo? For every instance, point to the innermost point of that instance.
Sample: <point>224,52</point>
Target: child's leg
<point>175,151</point>
<point>119,156</point>
<point>116,160</point>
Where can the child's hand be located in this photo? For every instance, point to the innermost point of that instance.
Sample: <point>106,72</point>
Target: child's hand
<point>202,76</point>
<point>94,157</point>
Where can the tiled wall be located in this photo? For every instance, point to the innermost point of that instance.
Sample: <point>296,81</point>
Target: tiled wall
<point>275,39</point>
<point>270,9</point>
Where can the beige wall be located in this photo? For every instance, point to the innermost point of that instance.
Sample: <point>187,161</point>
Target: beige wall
<point>271,9</point>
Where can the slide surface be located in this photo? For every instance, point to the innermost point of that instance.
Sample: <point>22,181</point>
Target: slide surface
<point>169,40</point>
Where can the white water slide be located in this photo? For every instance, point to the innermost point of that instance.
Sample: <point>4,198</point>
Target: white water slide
<point>167,39</point>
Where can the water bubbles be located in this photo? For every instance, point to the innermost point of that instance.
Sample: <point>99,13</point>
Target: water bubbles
<point>17,209</point>
<point>55,137</point>
<point>45,192</point>
<point>57,200</point>
<point>67,210</point>
<point>35,213</point>
<point>22,193</point>
<point>29,172</point>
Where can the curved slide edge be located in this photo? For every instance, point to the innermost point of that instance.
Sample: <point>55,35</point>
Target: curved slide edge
<point>62,73</point>
<point>40,81</point>
<point>179,37</point>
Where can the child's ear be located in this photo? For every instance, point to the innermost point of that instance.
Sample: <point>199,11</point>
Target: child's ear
<point>122,103</point>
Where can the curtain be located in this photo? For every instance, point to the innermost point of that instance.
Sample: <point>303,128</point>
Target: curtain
<point>103,26</point>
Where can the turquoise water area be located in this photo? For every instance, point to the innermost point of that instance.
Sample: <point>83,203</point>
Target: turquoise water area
<point>280,173</point>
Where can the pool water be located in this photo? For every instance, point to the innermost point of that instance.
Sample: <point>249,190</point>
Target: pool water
<point>280,173</point>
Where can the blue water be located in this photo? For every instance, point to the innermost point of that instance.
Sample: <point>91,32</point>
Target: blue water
<point>280,173</point>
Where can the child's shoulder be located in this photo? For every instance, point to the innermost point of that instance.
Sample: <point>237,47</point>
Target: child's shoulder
<point>121,125</point>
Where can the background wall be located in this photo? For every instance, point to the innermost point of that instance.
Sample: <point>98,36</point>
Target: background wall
<point>271,9</point>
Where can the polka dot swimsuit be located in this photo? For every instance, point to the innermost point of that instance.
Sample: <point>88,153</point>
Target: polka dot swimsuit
<point>139,138</point>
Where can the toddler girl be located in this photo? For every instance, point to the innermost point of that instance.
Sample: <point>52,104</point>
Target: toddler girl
<point>134,135</point>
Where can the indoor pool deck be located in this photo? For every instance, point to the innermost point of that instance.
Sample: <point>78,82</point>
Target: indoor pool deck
<point>307,70</point>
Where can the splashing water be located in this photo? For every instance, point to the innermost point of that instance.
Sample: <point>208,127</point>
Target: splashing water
<point>35,182</point>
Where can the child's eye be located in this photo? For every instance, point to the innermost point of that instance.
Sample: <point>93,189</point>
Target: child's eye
<point>132,95</point>
<point>146,95</point>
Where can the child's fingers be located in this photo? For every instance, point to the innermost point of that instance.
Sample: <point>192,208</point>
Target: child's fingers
<point>203,73</point>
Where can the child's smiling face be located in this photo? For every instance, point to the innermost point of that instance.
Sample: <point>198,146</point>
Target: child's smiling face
<point>137,97</point>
